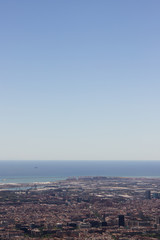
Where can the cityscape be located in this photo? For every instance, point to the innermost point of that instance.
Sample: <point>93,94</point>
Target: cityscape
<point>81,208</point>
<point>79,120</point>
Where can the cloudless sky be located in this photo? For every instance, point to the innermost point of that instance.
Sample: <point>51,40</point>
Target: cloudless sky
<point>80,79</point>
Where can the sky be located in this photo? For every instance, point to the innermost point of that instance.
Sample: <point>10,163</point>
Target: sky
<point>79,80</point>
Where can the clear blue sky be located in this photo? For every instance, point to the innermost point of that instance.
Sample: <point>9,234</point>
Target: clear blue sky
<point>80,79</point>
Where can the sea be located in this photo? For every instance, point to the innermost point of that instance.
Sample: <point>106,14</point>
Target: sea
<point>50,171</point>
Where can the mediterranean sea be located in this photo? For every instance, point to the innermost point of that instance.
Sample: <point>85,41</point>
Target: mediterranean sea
<point>50,171</point>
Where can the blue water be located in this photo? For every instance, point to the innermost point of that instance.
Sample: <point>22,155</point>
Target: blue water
<point>45,171</point>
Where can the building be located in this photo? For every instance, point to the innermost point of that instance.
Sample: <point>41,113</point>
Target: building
<point>121,221</point>
<point>148,194</point>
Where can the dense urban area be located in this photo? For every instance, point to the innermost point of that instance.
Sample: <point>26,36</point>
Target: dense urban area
<point>81,208</point>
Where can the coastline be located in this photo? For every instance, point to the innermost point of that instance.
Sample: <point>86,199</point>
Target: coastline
<point>46,185</point>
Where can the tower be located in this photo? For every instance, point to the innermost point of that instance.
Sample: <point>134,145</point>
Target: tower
<point>148,194</point>
<point>121,220</point>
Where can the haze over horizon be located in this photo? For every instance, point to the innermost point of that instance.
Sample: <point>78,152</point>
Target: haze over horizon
<point>79,80</point>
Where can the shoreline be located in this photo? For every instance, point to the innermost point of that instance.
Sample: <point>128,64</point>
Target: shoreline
<point>43,185</point>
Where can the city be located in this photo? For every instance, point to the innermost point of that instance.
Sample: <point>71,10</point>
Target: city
<point>82,208</point>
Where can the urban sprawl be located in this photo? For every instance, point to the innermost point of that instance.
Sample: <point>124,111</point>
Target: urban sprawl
<point>95,208</point>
